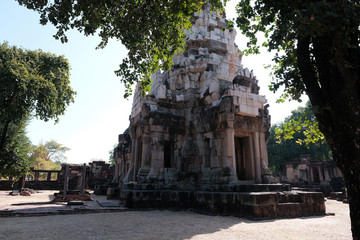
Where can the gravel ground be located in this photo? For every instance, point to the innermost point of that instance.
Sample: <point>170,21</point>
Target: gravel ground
<point>164,224</point>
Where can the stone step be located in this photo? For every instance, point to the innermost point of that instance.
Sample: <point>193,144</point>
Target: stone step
<point>241,187</point>
<point>286,197</point>
<point>289,209</point>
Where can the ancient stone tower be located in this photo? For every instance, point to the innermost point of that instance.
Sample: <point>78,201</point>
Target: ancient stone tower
<point>198,140</point>
<point>204,121</point>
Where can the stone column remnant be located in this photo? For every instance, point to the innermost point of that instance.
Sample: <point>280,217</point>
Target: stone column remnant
<point>83,176</point>
<point>66,180</point>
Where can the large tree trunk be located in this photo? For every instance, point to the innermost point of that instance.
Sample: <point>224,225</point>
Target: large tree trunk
<point>334,90</point>
<point>353,189</point>
<point>21,183</point>
<point>346,151</point>
<point>342,132</point>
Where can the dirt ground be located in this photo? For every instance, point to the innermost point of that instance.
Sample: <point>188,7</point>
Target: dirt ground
<point>164,224</point>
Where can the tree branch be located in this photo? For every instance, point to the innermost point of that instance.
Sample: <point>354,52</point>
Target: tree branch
<point>307,72</point>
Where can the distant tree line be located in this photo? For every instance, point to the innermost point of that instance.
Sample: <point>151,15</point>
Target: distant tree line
<point>298,134</point>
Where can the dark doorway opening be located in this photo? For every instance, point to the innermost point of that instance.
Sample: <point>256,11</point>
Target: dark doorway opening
<point>240,158</point>
<point>168,154</point>
<point>316,175</point>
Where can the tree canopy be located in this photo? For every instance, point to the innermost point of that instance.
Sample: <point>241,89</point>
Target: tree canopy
<point>152,31</point>
<point>32,83</point>
<point>308,37</point>
<point>48,155</point>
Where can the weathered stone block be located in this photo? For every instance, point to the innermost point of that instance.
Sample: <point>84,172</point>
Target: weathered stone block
<point>180,98</point>
<point>289,209</point>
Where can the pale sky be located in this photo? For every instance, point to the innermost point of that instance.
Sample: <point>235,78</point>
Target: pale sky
<point>91,125</point>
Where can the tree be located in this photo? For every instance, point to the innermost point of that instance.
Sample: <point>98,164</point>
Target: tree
<point>317,53</point>
<point>14,159</point>
<point>152,31</point>
<point>297,135</point>
<point>48,155</point>
<point>55,151</point>
<point>32,83</point>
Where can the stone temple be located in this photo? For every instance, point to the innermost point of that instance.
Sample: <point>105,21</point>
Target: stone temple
<point>198,139</point>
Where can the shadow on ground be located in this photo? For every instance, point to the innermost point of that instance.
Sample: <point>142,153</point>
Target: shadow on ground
<point>164,224</point>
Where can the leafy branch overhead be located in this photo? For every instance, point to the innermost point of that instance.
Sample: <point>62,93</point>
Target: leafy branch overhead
<point>152,31</point>
<point>285,24</point>
<point>302,121</point>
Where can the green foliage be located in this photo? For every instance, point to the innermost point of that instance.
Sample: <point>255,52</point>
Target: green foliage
<point>32,83</point>
<point>284,23</point>
<point>55,151</point>
<point>302,120</point>
<point>152,31</point>
<point>14,159</point>
<point>297,135</point>
<point>48,156</point>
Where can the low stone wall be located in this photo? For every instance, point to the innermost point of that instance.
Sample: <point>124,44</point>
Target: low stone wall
<point>39,185</point>
<point>44,185</point>
<point>92,183</point>
<point>6,185</point>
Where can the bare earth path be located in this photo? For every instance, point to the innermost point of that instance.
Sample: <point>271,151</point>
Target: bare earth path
<point>175,225</point>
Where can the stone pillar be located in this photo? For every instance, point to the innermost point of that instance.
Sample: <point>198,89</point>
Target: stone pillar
<point>263,152</point>
<point>146,152</point>
<point>249,157</point>
<point>327,175</point>
<point>214,149</point>
<point>138,155</point>
<point>83,175</point>
<point>133,158</point>
<point>66,181</point>
<point>117,167</point>
<point>311,174</point>
<point>257,158</point>
<point>229,148</point>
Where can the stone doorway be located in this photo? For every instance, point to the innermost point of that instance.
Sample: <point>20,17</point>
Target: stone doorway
<point>244,158</point>
<point>316,175</point>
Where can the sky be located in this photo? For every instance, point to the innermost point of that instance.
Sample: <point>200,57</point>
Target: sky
<point>91,125</point>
